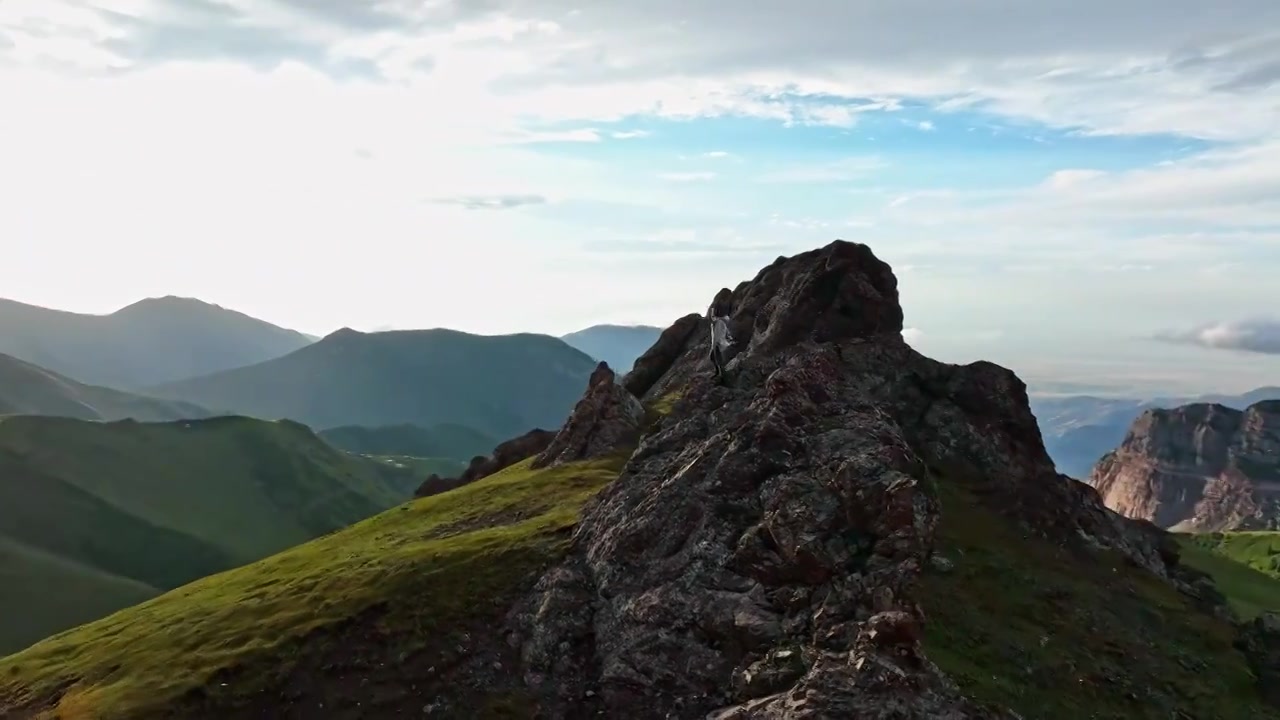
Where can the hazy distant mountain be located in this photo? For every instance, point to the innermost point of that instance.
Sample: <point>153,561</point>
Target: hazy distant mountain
<point>618,345</point>
<point>1079,429</point>
<point>153,341</point>
<point>27,389</point>
<point>501,386</point>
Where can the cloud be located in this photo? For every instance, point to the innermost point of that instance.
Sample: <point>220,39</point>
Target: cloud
<point>1260,335</point>
<point>925,125</point>
<point>716,154</point>
<point>912,335</point>
<point>494,202</point>
<point>1176,66</point>
<point>687,177</point>
<point>843,170</point>
<point>630,134</point>
<point>578,135</point>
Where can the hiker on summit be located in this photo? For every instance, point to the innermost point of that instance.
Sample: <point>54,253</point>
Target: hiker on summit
<point>721,338</point>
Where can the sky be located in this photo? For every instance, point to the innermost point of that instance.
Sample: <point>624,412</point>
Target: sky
<point>1086,191</point>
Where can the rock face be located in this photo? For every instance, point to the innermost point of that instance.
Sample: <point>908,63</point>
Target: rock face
<point>759,554</point>
<point>607,417</point>
<point>1201,467</point>
<point>505,455</point>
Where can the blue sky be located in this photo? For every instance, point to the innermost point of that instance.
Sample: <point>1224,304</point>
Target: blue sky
<point>1084,191</point>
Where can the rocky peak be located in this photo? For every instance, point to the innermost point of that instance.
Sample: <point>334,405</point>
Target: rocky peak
<point>607,417</point>
<point>759,554</point>
<point>1202,467</point>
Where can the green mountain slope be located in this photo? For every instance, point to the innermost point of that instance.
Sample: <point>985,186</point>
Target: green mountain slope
<point>1246,566</point>
<point>137,506</point>
<point>150,342</point>
<point>412,580</point>
<point>501,385</point>
<point>456,442</point>
<point>1026,624</point>
<point>27,389</point>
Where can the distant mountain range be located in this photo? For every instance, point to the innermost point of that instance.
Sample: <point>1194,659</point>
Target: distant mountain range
<point>27,389</point>
<point>153,341</point>
<point>618,345</point>
<point>1080,429</point>
<point>499,385</point>
<point>98,516</point>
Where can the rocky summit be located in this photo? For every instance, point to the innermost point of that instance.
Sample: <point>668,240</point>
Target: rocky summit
<point>1201,468</point>
<point>760,553</point>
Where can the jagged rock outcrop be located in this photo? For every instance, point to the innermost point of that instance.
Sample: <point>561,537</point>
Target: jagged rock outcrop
<point>657,360</point>
<point>505,455</point>
<point>607,417</point>
<point>759,554</point>
<point>1201,467</point>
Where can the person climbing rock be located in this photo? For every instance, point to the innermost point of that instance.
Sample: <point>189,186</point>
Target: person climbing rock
<point>721,338</point>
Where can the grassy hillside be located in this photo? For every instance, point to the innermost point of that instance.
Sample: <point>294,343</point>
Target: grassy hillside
<point>1058,636</point>
<point>27,389</point>
<point>500,386</point>
<point>413,580</point>
<point>150,342</point>
<point>1245,565</point>
<point>453,441</point>
<point>141,506</point>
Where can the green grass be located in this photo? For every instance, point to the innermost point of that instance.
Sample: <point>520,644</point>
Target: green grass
<point>425,567</point>
<point>1244,565</point>
<point>1023,623</point>
<point>162,504</point>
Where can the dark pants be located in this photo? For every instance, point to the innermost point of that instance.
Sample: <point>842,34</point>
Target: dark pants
<point>717,359</point>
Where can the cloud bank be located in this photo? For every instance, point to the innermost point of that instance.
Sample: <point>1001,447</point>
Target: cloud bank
<point>1260,335</point>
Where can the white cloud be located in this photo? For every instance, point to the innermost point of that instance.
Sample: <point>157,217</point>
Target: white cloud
<point>1260,335</point>
<point>925,125</point>
<point>630,134</point>
<point>912,335</point>
<point>843,170</point>
<point>686,177</point>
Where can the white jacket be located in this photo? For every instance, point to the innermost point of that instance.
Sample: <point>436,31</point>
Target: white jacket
<point>720,335</point>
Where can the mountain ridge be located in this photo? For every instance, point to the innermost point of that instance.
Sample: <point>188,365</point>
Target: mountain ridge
<point>498,385</point>
<point>1080,429</point>
<point>152,341</point>
<point>27,389</point>
<point>617,345</point>
<point>1202,467</point>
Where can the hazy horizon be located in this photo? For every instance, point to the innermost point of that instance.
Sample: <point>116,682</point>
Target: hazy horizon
<point>1085,192</point>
